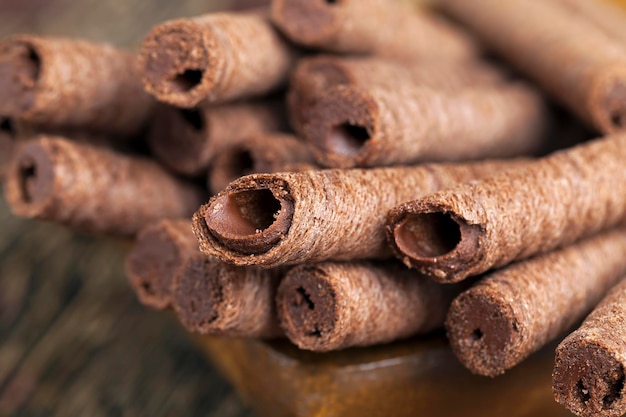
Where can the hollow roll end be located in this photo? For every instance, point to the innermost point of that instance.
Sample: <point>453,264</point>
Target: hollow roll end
<point>342,127</point>
<point>250,217</point>
<point>307,309</point>
<point>484,332</point>
<point>152,264</point>
<point>588,379</point>
<point>310,23</point>
<point>20,70</point>
<point>435,241</point>
<point>179,61</point>
<point>30,180</point>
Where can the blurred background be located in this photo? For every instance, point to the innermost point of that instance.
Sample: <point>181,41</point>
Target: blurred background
<point>73,339</point>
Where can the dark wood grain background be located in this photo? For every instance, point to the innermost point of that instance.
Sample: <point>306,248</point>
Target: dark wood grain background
<point>73,339</point>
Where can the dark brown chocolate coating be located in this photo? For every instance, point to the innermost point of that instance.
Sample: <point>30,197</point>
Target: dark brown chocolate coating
<point>157,257</point>
<point>186,140</point>
<point>553,46</point>
<point>589,370</point>
<point>289,218</point>
<point>94,189</point>
<point>314,75</point>
<point>515,311</point>
<point>532,209</point>
<point>264,153</point>
<point>364,127</point>
<point>70,83</point>
<point>379,27</point>
<point>214,58</point>
<point>211,297</point>
<point>332,306</point>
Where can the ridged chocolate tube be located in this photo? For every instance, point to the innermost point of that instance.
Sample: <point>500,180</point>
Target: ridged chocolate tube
<point>604,14</point>
<point>211,297</point>
<point>265,153</point>
<point>552,46</point>
<point>531,209</point>
<point>214,58</point>
<point>289,218</point>
<point>70,83</point>
<point>362,127</point>
<point>377,27</point>
<point>514,312</point>
<point>314,75</point>
<point>331,306</point>
<point>157,257</point>
<point>589,374</point>
<point>94,189</point>
<point>185,140</point>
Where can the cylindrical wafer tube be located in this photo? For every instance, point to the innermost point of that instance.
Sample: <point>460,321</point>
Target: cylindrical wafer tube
<point>531,209</point>
<point>185,140</point>
<point>94,189</point>
<point>604,14</point>
<point>211,297</point>
<point>214,58</point>
<point>72,83</point>
<point>513,312</point>
<point>157,257</point>
<point>378,27</point>
<point>289,218</point>
<point>350,126</point>
<point>589,374</point>
<point>314,75</point>
<point>331,306</point>
<point>264,153</point>
<point>553,47</point>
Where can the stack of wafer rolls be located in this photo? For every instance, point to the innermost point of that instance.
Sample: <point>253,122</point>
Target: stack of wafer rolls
<point>392,185</point>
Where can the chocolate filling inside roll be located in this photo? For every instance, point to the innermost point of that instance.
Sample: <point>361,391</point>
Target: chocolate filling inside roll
<point>152,265</point>
<point>249,221</point>
<point>309,304</point>
<point>178,60</point>
<point>436,237</point>
<point>34,175</point>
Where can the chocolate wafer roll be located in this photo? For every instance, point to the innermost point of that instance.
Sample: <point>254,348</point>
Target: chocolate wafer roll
<point>214,58</point>
<point>553,47</point>
<point>185,140</point>
<point>378,27</point>
<point>589,374</point>
<point>289,218</point>
<point>211,297</point>
<point>331,306</point>
<point>603,14</point>
<point>94,189</point>
<point>314,75</point>
<point>157,257</point>
<point>8,136</point>
<point>265,153</point>
<point>350,126</point>
<point>513,312</point>
<point>531,209</point>
<point>71,83</point>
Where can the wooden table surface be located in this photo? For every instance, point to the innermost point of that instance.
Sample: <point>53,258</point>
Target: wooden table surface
<point>73,339</point>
